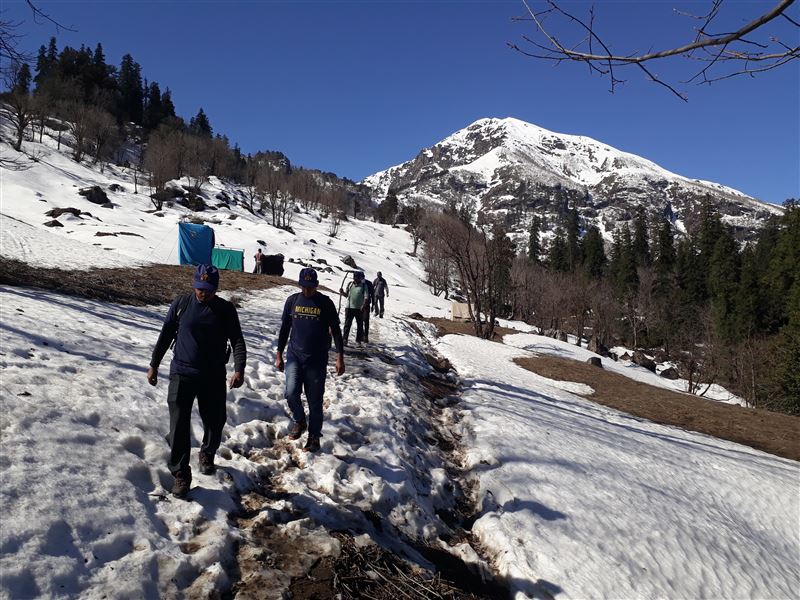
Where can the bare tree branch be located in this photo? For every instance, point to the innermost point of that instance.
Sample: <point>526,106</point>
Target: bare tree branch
<point>731,51</point>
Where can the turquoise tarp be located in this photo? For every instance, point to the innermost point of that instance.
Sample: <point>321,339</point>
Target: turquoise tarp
<point>225,258</point>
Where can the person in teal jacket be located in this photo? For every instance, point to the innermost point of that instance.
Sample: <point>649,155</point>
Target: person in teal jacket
<point>357,295</point>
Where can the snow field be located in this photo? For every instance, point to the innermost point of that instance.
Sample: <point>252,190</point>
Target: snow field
<point>84,478</point>
<point>582,501</point>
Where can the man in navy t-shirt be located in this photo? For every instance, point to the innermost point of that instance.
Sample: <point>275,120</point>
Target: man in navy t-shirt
<point>312,320</point>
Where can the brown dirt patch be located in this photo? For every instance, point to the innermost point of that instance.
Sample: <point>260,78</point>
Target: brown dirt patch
<point>771,432</point>
<point>446,326</point>
<point>139,286</point>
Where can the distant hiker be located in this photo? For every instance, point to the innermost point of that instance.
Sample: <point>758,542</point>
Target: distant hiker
<point>357,294</point>
<point>258,257</point>
<point>201,324</point>
<point>381,290</point>
<point>311,319</point>
<point>365,312</point>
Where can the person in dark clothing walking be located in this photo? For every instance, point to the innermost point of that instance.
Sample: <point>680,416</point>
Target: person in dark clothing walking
<point>310,318</point>
<point>381,289</point>
<point>357,295</point>
<point>365,312</point>
<point>201,324</point>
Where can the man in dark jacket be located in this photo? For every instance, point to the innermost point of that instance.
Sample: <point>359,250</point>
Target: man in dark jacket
<point>311,319</point>
<point>201,324</point>
<point>381,289</point>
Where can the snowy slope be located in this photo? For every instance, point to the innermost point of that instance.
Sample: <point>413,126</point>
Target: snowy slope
<point>583,501</point>
<point>575,500</point>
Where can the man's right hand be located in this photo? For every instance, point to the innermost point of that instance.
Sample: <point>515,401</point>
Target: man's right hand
<point>152,375</point>
<point>279,361</point>
<point>340,364</point>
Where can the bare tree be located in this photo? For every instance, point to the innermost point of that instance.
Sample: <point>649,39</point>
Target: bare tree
<point>79,124</point>
<point>753,48</point>
<point>197,159</point>
<point>102,132</point>
<point>18,108</point>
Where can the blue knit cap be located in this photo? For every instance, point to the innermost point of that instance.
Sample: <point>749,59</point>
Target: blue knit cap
<point>206,277</point>
<point>308,278</point>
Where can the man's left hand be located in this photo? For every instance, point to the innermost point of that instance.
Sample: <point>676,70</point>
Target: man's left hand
<point>236,380</point>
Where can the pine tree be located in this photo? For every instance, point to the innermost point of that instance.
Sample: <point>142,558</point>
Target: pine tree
<point>52,51</point>
<point>99,59</point>
<point>572,226</point>
<point>641,242</point>
<point>557,258</point>
<point>710,231</point>
<point>749,299</point>
<point>690,284</point>
<point>627,279</point>
<point>534,243</point>
<point>154,111</point>
<point>723,280</point>
<point>199,125</point>
<point>167,105</point>
<point>664,259</point>
<point>22,80</point>
<point>594,255</point>
<point>387,210</point>
<point>131,91</point>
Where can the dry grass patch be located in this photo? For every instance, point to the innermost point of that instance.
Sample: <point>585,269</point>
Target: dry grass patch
<point>771,432</point>
<point>137,286</point>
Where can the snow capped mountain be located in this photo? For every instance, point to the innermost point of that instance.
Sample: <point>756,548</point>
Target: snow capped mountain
<point>517,169</point>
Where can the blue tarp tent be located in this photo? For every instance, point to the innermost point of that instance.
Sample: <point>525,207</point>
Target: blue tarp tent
<point>195,243</point>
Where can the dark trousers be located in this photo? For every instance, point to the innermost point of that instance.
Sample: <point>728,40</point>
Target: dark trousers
<point>210,394</point>
<point>365,318</point>
<point>309,377</point>
<point>378,305</point>
<point>349,315</point>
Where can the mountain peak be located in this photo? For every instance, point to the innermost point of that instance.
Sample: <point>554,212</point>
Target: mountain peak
<point>509,166</point>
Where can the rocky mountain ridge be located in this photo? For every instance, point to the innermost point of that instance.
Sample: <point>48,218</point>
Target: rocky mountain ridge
<point>515,169</point>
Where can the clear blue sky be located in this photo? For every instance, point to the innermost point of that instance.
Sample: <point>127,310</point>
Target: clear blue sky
<point>354,87</point>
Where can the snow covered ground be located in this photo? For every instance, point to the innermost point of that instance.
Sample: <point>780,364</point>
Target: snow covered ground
<point>575,500</point>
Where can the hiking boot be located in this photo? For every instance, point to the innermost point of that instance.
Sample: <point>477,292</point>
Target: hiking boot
<point>297,430</point>
<point>207,466</point>
<point>183,480</point>
<point>312,444</point>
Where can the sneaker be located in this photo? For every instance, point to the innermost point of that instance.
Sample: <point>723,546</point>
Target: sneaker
<point>183,480</point>
<point>207,466</point>
<point>312,444</point>
<point>297,430</point>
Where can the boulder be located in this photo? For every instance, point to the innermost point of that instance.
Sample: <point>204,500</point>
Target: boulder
<point>94,194</point>
<point>595,361</point>
<point>669,373</point>
<point>640,359</point>
<point>53,223</point>
<point>115,187</point>
<point>57,212</point>
<point>349,261</point>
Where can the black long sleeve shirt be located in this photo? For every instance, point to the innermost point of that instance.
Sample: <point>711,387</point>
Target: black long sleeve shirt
<point>203,330</point>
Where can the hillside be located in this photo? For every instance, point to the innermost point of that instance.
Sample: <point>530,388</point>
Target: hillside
<point>443,452</point>
<point>513,168</point>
